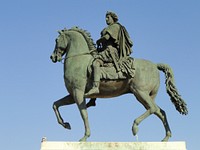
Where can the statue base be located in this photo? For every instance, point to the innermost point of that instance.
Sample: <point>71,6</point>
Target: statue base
<point>46,145</point>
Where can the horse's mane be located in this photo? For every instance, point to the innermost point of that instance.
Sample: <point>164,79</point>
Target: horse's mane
<point>87,36</point>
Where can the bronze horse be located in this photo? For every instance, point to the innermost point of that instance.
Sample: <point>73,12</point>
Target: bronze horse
<point>77,46</point>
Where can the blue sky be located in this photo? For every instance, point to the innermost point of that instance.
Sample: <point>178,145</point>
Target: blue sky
<point>162,31</point>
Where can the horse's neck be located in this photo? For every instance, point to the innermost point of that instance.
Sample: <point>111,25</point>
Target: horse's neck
<point>78,45</point>
<point>77,59</point>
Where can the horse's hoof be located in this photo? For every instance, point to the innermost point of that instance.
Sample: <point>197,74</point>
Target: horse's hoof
<point>135,129</point>
<point>84,139</point>
<point>67,125</point>
<point>167,137</point>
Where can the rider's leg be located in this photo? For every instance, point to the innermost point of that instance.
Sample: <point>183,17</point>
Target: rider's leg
<point>96,82</point>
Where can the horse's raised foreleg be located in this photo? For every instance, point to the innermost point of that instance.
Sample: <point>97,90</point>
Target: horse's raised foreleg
<point>67,100</point>
<point>81,103</point>
<point>162,115</point>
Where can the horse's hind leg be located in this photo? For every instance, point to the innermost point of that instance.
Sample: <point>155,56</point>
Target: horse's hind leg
<point>67,100</point>
<point>146,101</point>
<point>138,121</point>
<point>162,115</point>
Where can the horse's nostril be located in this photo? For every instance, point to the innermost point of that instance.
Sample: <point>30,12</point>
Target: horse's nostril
<point>53,58</point>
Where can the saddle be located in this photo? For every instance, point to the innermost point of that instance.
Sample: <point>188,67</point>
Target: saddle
<point>109,72</point>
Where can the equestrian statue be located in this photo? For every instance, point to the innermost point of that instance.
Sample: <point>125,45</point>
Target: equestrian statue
<point>106,69</point>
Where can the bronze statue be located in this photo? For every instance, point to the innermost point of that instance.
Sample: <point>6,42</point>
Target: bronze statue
<point>137,76</point>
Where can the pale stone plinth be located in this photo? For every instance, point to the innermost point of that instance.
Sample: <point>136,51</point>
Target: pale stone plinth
<point>47,145</point>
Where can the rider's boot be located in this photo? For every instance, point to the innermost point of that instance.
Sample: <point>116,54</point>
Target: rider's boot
<point>96,82</point>
<point>94,89</point>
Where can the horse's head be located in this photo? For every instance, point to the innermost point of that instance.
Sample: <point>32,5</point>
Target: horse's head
<point>60,47</point>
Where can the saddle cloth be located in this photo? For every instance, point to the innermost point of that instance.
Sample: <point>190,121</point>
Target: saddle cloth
<point>109,71</point>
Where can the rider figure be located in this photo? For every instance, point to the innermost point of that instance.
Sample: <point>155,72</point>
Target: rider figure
<point>114,45</point>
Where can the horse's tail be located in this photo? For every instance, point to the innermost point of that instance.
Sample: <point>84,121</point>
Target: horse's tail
<point>176,99</point>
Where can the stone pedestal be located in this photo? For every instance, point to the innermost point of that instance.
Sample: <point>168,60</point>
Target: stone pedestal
<point>47,145</point>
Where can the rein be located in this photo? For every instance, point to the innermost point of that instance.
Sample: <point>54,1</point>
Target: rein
<point>63,59</point>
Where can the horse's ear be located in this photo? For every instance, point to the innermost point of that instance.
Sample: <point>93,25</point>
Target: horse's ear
<point>59,31</point>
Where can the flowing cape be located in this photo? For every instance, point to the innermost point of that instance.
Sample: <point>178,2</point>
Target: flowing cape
<point>125,42</point>
<point>121,38</point>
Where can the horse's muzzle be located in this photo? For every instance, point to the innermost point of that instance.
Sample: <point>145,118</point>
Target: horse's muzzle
<point>53,58</point>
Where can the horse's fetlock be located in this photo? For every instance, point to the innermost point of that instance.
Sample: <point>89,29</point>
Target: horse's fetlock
<point>169,134</point>
<point>87,134</point>
<point>54,106</point>
<point>136,122</point>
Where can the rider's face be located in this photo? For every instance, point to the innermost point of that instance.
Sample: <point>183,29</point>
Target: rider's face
<point>109,20</point>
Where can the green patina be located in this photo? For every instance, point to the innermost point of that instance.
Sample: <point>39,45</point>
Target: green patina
<point>141,77</point>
